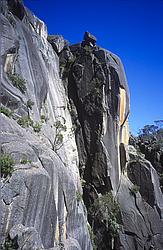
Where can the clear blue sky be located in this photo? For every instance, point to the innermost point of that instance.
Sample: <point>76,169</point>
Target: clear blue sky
<point>133,29</point>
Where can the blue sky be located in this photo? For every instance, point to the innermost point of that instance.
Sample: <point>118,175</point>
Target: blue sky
<point>132,29</point>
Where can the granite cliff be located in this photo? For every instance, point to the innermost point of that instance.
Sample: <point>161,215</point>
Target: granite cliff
<point>69,178</point>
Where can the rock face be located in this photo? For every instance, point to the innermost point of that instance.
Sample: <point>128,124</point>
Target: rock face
<point>40,198</point>
<point>64,122</point>
<point>152,148</point>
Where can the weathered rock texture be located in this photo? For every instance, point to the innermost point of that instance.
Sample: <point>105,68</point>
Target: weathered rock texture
<point>74,131</point>
<point>152,147</point>
<point>40,198</point>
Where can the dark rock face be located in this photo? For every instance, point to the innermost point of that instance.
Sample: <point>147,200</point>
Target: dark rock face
<point>17,8</point>
<point>89,39</point>
<point>95,84</point>
<point>151,148</point>
<point>152,154</point>
<point>91,78</point>
<point>139,174</point>
<point>68,136</point>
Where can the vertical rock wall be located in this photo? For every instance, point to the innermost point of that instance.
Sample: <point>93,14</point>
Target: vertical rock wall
<point>98,94</point>
<point>39,201</point>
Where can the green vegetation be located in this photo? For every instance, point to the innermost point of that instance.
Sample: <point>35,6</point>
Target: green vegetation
<point>79,196</point>
<point>60,128</point>
<point>25,121</point>
<point>96,86</point>
<point>87,49</point>
<point>73,112</point>
<point>6,111</point>
<point>18,82</point>
<point>71,60</point>
<point>9,244</point>
<point>107,209</point>
<point>153,134</point>
<point>58,139</point>
<point>150,130</point>
<point>96,82</point>
<point>30,103</point>
<point>134,189</point>
<point>92,237</point>
<point>6,165</point>
<point>37,127</point>
<point>43,118</point>
<point>150,143</point>
<point>83,182</point>
<point>25,161</point>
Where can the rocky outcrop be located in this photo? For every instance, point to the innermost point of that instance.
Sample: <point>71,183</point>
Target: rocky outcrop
<point>99,98</point>
<point>99,105</point>
<point>68,174</point>
<point>39,203</point>
<point>153,153</point>
<point>142,213</point>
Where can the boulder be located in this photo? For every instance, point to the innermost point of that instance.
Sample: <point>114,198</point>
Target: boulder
<point>89,39</point>
<point>57,42</point>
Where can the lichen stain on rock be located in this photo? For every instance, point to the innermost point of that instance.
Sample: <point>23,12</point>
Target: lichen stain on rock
<point>124,128</point>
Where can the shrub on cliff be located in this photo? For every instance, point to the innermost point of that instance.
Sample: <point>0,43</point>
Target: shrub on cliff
<point>37,127</point>
<point>107,209</point>
<point>6,165</point>
<point>92,237</point>
<point>134,189</point>
<point>9,244</point>
<point>6,111</point>
<point>60,128</point>
<point>18,82</point>
<point>25,121</point>
<point>30,103</point>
